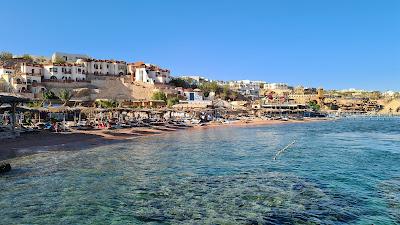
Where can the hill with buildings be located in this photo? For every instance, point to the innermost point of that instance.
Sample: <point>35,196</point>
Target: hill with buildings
<point>89,79</point>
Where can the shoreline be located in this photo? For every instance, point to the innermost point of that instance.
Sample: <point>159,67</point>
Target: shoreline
<point>45,141</point>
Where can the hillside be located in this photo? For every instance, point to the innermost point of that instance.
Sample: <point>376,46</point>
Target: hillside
<point>392,106</point>
<point>106,88</point>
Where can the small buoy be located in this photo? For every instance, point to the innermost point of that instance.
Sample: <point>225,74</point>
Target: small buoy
<point>5,168</point>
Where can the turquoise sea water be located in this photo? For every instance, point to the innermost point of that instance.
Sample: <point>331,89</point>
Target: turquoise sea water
<point>342,172</point>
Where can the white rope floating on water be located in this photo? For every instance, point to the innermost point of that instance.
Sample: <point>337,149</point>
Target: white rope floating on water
<point>284,149</point>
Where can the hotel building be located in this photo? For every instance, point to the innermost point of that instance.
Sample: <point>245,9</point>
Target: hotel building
<point>104,67</point>
<point>68,72</point>
<point>148,73</point>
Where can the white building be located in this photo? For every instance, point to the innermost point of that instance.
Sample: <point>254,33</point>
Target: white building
<point>196,79</point>
<point>27,82</point>
<point>390,93</point>
<point>104,67</point>
<point>35,69</point>
<point>247,88</point>
<point>276,86</point>
<point>193,95</point>
<point>148,73</point>
<point>6,70</point>
<point>70,58</point>
<point>69,72</point>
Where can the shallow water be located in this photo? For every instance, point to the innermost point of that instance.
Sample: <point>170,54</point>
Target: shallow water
<point>343,172</point>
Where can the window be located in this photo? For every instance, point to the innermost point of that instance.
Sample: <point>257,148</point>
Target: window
<point>55,70</point>
<point>51,69</point>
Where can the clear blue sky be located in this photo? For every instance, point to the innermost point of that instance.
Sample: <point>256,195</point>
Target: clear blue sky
<point>329,43</point>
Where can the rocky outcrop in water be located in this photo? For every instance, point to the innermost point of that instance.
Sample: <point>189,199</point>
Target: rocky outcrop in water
<point>6,167</point>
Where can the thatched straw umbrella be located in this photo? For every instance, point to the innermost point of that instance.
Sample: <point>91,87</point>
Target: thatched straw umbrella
<point>13,101</point>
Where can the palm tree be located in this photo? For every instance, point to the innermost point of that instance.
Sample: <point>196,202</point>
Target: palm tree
<point>65,96</point>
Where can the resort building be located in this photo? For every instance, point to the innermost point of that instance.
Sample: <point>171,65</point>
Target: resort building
<point>69,58</point>
<point>276,86</point>
<point>26,80</point>
<point>193,95</point>
<point>303,95</point>
<point>104,67</point>
<point>26,84</point>
<point>32,69</point>
<point>276,91</point>
<point>148,73</point>
<point>68,72</point>
<point>247,88</point>
<point>302,98</point>
<point>6,70</point>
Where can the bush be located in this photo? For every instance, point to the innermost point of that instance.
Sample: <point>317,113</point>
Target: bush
<point>6,55</point>
<point>172,101</point>
<point>159,95</point>
<point>314,106</point>
<point>49,95</point>
<point>65,95</point>
<point>27,57</point>
<point>107,103</point>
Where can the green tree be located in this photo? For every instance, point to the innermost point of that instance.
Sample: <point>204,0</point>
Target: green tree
<point>172,101</point>
<point>207,87</point>
<point>6,55</point>
<point>179,82</point>
<point>65,95</point>
<point>107,103</point>
<point>159,95</point>
<point>183,82</point>
<point>27,57</point>
<point>35,104</point>
<point>314,106</point>
<point>48,95</point>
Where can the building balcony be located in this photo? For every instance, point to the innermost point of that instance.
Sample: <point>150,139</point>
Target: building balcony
<point>32,74</point>
<point>65,81</point>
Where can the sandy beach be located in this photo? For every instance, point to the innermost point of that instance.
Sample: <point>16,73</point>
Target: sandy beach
<point>40,141</point>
